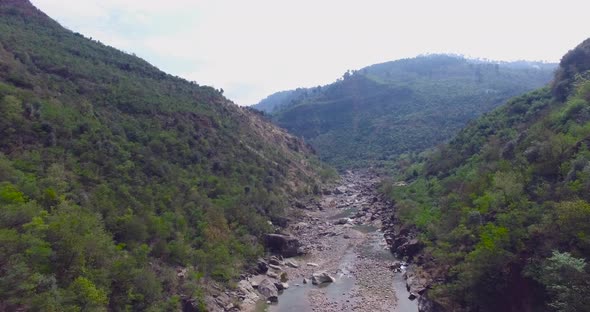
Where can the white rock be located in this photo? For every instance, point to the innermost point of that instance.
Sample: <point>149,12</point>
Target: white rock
<point>291,263</point>
<point>321,277</point>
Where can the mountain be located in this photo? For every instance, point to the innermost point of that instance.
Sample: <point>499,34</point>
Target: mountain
<point>373,115</point>
<point>115,176</point>
<point>503,209</point>
<point>276,101</point>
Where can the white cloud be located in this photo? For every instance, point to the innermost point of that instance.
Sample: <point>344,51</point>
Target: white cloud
<point>256,47</point>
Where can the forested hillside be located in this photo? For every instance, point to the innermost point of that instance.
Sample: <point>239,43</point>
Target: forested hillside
<point>373,115</point>
<point>503,210</point>
<point>279,100</point>
<point>115,176</point>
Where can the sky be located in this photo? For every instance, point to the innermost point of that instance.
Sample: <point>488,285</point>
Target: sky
<point>254,48</point>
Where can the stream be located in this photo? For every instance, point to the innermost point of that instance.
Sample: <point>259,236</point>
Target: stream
<point>342,236</point>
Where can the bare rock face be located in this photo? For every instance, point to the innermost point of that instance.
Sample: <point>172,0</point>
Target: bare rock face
<point>284,245</point>
<point>411,247</point>
<point>247,293</point>
<point>321,277</point>
<point>415,284</point>
<point>268,290</point>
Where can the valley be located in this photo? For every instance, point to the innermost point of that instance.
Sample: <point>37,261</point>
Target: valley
<point>341,234</point>
<point>435,183</point>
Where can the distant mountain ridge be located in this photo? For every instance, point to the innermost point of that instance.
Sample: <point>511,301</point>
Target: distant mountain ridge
<point>372,115</point>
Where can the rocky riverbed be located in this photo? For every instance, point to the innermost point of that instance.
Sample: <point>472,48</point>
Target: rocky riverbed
<point>333,256</point>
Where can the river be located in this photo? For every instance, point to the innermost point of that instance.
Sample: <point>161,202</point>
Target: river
<point>341,232</point>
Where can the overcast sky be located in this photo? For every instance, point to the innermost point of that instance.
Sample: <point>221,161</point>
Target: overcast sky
<point>252,48</point>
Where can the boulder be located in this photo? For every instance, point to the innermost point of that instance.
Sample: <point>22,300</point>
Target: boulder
<point>262,266</point>
<point>416,284</point>
<point>283,277</point>
<point>274,260</point>
<point>284,245</point>
<point>247,293</point>
<point>301,225</point>
<point>343,221</point>
<point>221,300</point>
<point>291,263</point>
<point>181,272</point>
<point>339,190</point>
<point>396,266</point>
<point>268,290</point>
<point>274,267</point>
<point>271,274</point>
<point>321,277</point>
<point>281,286</point>
<point>311,264</point>
<point>410,248</point>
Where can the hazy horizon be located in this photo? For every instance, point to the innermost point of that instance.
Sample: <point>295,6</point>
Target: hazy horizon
<point>253,49</point>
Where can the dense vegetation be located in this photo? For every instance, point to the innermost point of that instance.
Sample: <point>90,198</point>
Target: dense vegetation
<point>279,100</point>
<point>504,208</point>
<point>373,115</point>
<point>114,175</point>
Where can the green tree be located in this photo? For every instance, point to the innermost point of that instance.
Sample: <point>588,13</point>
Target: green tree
<point>567,282</point>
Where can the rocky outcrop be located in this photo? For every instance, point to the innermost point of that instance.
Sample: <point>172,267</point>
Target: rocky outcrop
<point>246,293</point>
<point>268,290</point>
<point>284,245</point>
<point>261,266</point>
<point>410,248</point>
<point>402,241</point>
<point>415,283</point>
